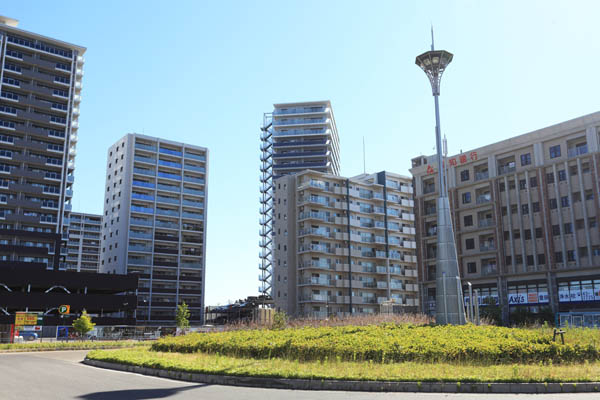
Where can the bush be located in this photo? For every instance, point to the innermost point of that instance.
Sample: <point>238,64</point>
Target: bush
<point>394,343</point>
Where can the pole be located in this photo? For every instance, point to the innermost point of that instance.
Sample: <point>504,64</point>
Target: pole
<point>438,141</point>
<point>445,302</point>
<point>477,308</point>
<point>470,302</point>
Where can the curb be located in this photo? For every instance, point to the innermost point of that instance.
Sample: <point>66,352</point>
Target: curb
<point>358,386</point>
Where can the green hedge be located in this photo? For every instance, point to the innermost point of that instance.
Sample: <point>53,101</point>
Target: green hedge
<point>394,343</point>
<point>70,345</point>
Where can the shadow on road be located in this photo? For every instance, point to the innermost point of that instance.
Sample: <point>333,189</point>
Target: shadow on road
<point>138,394</point>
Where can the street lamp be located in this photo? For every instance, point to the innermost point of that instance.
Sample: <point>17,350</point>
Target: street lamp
<point>449,299</point>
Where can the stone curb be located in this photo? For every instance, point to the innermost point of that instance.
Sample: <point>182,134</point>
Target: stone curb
<point>358,386</point>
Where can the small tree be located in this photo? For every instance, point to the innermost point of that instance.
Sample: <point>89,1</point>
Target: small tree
<point>182,316</point>
<point>83,324</point>
<point>280,320</point>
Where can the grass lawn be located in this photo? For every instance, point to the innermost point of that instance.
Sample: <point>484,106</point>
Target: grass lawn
<point>71,345</point>
<point>348,370</point>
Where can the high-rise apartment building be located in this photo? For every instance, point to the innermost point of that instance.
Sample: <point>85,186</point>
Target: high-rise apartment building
<point>525,212</point>
<point>295,137</point>
<point>40,80</point>
<point>154,223</point>
<point>344,245</point>
<point>83,246</point>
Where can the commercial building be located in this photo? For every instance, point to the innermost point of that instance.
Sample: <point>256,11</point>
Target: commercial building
<point>294,137</point>
<point>344,245</point>
<point>40,80</point>
<point>83,246</point>
<point>525,212</point>
<point>154,223</point>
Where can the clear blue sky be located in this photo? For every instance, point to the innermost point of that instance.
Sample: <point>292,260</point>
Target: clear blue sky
<point>204,72</point>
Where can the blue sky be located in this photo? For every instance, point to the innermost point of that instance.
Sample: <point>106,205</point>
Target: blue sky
<point>204,72</point>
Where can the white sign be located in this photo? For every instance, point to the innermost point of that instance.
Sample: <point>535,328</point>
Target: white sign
<point>575,294</point>
<point>543,297</point>
<point>563,295</point>
<point>587,295</point>
<point>518,298</point>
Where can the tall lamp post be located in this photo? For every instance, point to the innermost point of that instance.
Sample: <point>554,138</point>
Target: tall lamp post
<point>449,299</point>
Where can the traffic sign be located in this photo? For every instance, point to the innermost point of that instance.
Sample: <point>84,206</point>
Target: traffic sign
<point>64,309</point>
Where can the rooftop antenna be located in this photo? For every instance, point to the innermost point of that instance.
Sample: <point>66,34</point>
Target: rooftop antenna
<point>364,158</point>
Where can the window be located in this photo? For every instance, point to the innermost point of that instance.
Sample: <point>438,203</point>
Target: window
<point>570,255</point>
<point>525,208</point>
<point>522,184</point>
<point>576,197</point>
<point>472,268</point>
<point>592,222</point>
<point>527,234</point>
<point>517,234</point>
<point>555,230</point>
<point>464,175</point>
<point>533,181</point>
<point>568,227</point>
<point>589,195</point>
<point>502,187</point>
<point>526,159</point>
<point>514,209</point>
<point>506,235</point>
<point>562,175</point>
<point>564,201</point>
<point>550,177</point>
<point>468,220</point>
<point>553,204</point>
<point>466,198</point>
<point>541,258</point>
<point>508,260</point>
<point>530,260</point>
<point>555,151</point>
<point>538,233</point>
<point>470,244</point>
<point>535,206</point>
<point>519,259</point>
<point>504,211</point>
<point>511,184</point>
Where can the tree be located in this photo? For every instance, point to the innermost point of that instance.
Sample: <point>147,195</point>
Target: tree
<point>83,324</point>
<point>182,316</point>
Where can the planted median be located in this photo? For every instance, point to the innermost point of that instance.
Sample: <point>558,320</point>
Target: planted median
<point>396,352</point>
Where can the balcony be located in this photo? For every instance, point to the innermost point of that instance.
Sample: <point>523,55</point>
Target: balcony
<point>147,147</point>
<point>317,232</point>
<point>320,248</point>
<point>577,151</point>
<point>428,189</point>
<point>322,281</point>
<point>489,246</point>
<point>488,269</point>
<point>484,198</point>
<point>484,223</point>
<point>315,215</point>
<point>299,121</point>
<point>317,264</point>
<point>171,152</point>
<point>479,176</point>
<point>507,168</point>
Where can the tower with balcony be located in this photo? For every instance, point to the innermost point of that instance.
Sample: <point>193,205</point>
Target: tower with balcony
<point>40,92</point>
<point>155,223</point>
<point>294,137</point>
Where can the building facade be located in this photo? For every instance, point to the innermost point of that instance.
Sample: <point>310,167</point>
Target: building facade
<point>83,246</point>
<point>344,245</point>
<point>154,223</point>
<point>294,137</point>
<point>40,80</point>
<point>525,212</point>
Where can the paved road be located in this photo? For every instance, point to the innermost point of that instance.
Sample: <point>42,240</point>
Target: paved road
<point>60,375</point>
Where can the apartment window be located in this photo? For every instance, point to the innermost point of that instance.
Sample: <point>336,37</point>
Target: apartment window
<point>579,224</point>
<point>573,170</point>
<point>568,227</point>
<point>526,159</point>
<point>527,234</point>
<point>555,151</point>
<point>533,181</point>
<point>592,222</point>
<point>511,184</point>
<point>538,233</point>
<point>502,187</point>
<point>589,195</point>
<point>535,206</point>
<point>522,184</point>
<point>472,268</point>
<point>506,235</point>
<point>541,258</point>
<point>582,251</point>
<point>517,234</point>
<point>519,259</point>
<point>470,244</point>
<point>508,260</point>
<point>468,220</point>
<point>466,198</point>
<point>514,209</point>
<point>562,175</point>
<point>564,201</point>
<point>550,177</point>
<point>576,197</point>
<point>570,255</point>
<point>525,208</point>
<point>553,204</point>
<point>530,260</point>
<point>555,230</point>
<point>585,168</point>
<point>464,175</point>
<point>504,211</point>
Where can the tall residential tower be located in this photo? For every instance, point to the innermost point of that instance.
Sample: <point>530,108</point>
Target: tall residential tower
<point>154,223</point>
<point>40,80</point>
<point>295,137</point>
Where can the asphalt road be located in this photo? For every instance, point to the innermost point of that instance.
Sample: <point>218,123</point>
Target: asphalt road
<point>60,375</point>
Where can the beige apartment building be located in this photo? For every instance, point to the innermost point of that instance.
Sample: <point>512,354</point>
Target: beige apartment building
<point>344,245</point>
<point>525,212</point>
